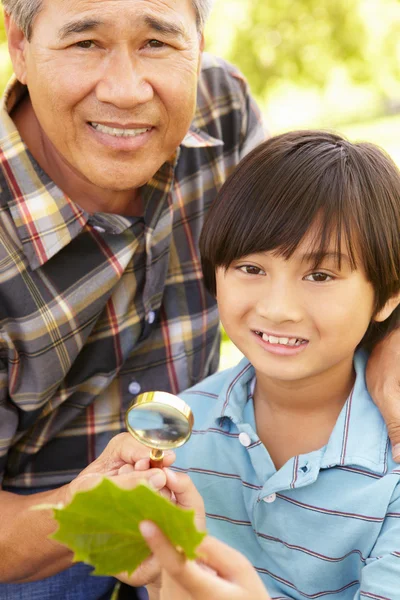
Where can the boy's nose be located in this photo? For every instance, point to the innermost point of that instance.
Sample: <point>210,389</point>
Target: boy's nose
<point>280,304</point>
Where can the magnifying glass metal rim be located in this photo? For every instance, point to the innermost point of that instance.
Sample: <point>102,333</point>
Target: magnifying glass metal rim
<point>162,399</point>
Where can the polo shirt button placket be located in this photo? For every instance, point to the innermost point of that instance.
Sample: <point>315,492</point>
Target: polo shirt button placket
<point>269,499</point>
<point>244,439</point>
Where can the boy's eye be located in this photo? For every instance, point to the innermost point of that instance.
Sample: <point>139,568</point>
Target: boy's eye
<point>318,277</point>
<point>251,270</point>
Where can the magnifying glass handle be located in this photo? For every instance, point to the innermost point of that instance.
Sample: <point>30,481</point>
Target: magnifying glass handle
<point>156,459</point>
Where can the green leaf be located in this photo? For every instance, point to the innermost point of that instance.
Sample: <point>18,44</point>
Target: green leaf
<point>101,526</point>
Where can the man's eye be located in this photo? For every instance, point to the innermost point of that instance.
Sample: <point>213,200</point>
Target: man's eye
<point>155,44</point>
<point>251,270</point>
<point>85,44</point>
<point>319,277</point>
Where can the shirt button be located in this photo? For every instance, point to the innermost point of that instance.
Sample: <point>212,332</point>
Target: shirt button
<point>134,388</point>
<point>151,317</point>
<point>269,499</point>
<point>244,439</point>
<point>99,229</point>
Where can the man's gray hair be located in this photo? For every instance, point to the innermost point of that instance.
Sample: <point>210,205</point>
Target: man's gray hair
<point>24,12</point>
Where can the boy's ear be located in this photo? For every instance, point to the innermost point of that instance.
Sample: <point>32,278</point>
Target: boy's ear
<point>16,47</point>
<point>385,312</point>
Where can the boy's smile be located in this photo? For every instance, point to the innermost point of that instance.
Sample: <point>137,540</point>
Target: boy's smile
<point>281,344</point>
<point>295,322</point>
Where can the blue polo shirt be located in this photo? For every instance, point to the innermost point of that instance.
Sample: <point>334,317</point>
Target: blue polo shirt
<point>327,524</point>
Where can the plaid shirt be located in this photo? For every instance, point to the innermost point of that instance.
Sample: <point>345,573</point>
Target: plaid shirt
<point>97,308</point>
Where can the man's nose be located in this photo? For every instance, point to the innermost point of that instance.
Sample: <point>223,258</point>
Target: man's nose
<point>123,82</point>
<point>279,303</point>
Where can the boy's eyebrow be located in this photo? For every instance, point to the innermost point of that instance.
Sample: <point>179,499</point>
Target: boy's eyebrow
<point>89,24</point>
<point>318,256</point>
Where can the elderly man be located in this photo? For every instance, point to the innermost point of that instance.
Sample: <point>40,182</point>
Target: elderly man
<point>115,136</point>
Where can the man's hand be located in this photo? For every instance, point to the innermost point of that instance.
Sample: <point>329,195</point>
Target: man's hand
<point>383,381</point>
<point>27,553</point>
<point>117,462</point>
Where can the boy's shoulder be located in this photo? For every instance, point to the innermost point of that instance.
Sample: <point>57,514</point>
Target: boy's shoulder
<point>211,393</point>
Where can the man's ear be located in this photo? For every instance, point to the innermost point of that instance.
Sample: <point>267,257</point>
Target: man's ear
<point>388,308</point>
<point>16,47</point>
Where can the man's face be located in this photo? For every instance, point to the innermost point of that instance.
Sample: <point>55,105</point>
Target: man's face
<point>113,84</point>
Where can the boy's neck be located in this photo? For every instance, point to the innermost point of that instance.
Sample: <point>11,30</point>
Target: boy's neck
<point>297,417</point>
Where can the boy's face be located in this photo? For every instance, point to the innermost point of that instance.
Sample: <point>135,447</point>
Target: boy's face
<point>292,321</point>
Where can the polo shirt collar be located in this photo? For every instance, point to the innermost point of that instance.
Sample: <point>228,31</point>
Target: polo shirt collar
<point>360,435</point>
<point>359,438</point>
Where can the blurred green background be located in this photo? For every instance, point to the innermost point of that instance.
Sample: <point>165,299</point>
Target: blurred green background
<point>310,63</point>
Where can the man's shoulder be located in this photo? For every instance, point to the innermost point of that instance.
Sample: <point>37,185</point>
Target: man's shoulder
<point>222,89</point>
<point>213,66</point>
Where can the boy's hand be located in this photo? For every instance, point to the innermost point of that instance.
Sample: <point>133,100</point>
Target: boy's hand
<point>179,489</point>
<point>383,381</point>
<point>224,573</point>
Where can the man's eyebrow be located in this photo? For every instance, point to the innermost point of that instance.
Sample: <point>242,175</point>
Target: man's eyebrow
<point>164,27</point>
<point>79,26</point>
<point>159,25</point>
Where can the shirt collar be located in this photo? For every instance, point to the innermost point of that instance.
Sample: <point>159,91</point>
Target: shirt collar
<point>359,438</point>
<point>360,435</point>
<point>196,138</point>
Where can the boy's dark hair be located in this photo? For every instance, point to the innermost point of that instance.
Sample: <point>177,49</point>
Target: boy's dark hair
<point>276,193</point>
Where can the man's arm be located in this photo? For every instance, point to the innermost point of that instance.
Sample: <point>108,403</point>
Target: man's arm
<point>383,380</point>
<point>26,552</point>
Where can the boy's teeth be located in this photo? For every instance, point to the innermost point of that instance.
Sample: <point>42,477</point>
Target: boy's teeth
<point>119,132</point>
<point>281,340</point>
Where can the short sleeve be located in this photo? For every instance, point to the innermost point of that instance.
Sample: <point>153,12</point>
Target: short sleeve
<point>380,578</point>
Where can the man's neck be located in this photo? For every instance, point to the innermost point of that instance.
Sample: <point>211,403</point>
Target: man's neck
<point>89,197</point>
<point>297,417</point>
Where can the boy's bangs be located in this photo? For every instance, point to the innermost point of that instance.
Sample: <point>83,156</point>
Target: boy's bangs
<point>279,222</point>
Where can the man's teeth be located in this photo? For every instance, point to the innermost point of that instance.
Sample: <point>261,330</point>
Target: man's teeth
<point>119,132</point>
<point>282,340</point>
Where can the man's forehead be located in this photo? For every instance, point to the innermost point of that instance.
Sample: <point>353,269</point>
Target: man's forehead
<point>114,7</point>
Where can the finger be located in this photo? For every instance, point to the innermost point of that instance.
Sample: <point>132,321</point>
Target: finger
<point>146,573</point>
<point>126,469</point>
<point>144,463</point>
<point>186,495</point>
<point>187,574</point>
<point>123,447</point>
<point>156,478</point>
<point>226,561</point>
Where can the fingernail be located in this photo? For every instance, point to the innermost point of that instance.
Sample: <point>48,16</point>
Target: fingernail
<point>157,479</point>
<point>146,528</point>
<point>171,475</point>
<point>396,452</point>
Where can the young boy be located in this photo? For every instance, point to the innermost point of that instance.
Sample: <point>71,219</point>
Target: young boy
<point>289,452</point>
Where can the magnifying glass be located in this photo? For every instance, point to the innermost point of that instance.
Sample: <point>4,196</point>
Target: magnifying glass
<point>160,421</point>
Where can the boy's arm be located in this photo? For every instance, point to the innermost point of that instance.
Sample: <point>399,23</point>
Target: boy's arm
<point>383,380</point>
<point>380,578</point>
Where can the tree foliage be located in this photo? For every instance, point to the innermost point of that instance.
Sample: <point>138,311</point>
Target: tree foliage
<point>299,41</point>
